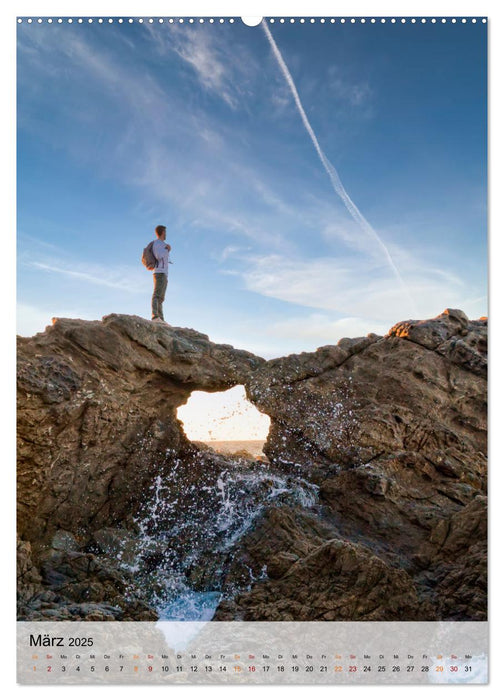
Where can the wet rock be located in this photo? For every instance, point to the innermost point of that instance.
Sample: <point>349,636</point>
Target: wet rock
<point>421,388</point>
<point>336,581</point>
<point>207,573</point>
<point>80,586</point>
<point>109,390</point>
<point>386,435</point>
<point>64,540</point>
<point>118,544</point>
<point>279,564</point>
<point>454,563</point>
<point>29,580</point>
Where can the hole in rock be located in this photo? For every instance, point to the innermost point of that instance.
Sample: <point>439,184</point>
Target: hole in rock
<point>226,421</point>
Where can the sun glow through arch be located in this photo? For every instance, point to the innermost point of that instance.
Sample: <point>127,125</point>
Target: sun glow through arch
<point>223,416</point>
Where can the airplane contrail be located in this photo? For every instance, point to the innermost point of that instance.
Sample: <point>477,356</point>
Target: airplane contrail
<point>329,167</point>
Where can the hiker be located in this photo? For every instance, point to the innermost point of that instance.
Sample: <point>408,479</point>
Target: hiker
<point>161,252</point>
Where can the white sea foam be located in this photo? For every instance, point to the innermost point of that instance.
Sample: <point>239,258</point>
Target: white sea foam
<point>187,535</point>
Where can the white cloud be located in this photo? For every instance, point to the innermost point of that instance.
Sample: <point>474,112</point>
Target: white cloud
<point>355,287</point>
<point>336,227</point>
<point>321,329</point>
<point>116,279</point>
<point>229,251</point>
<point>145,151</point>
<point>243,224</point>
<point>222,68</point>
<point>32,319</point>
<point>210,68</point>
<point>59,50</point>
<point>151,126</point>
<point>353,93</point>
<point>295,332</point>
<point>121,277</point>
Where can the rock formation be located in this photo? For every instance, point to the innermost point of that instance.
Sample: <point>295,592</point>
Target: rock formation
<point>97,410</point>
<point>389,433</point>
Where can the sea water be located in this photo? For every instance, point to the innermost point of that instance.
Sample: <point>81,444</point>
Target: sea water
<point>189,527</point>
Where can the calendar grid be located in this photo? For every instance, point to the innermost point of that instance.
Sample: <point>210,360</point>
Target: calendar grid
<point>260,653</point>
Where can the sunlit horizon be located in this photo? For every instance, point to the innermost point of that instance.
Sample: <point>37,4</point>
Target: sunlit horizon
<point>223,416</point>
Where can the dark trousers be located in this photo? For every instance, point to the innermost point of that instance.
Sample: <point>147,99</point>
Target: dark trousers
<point>160,284</point>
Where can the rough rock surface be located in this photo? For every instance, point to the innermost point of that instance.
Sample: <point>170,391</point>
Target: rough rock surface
<point>97,409</point>
<point>389,431</point>
<point>335,581</point>
<point>421,388</point>
<point>70,584</point>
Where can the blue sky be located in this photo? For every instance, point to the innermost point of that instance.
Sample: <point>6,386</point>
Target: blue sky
<point>122,127</point>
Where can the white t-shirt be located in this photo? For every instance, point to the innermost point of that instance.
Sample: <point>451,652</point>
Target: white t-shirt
<point>162,255</point>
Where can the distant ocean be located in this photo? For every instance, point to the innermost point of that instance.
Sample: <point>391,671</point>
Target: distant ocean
<point>253,447</point>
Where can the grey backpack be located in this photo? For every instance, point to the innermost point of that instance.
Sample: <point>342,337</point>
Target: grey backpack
<point>148,258</point>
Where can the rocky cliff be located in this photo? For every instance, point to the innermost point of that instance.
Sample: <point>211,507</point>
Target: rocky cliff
<point>372,505</point>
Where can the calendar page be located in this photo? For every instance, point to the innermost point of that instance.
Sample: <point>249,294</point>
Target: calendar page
<point>252,350</point>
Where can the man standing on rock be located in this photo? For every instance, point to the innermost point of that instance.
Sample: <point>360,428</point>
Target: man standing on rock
<point>161,251</point>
